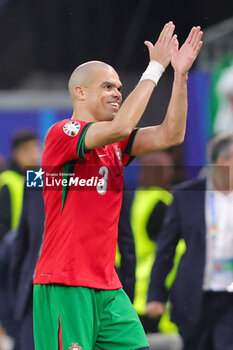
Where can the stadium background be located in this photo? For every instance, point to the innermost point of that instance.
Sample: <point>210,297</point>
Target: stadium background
<point>41,42</point>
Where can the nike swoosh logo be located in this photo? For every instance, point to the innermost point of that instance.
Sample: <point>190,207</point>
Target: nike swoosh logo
<point>102,155</point>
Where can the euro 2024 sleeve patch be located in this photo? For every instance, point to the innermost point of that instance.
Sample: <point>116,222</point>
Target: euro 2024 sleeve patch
<point>71,128</point>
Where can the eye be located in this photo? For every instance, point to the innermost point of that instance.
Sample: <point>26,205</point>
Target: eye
<point>108,87</point>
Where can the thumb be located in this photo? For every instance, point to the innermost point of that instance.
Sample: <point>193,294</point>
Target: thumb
<point>174,44</point>
<point>149,45</point>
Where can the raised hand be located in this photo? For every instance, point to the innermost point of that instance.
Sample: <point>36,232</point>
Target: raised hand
<point>182,59</point>
<point>161,51</point>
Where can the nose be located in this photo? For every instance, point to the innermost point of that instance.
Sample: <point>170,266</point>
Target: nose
<point>117,93</point>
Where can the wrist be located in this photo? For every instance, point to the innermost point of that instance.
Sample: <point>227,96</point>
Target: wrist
<point>153,72</point>
<point>180,75</point>
<point>181,78</point>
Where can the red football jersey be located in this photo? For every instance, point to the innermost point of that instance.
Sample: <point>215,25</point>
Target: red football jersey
<point>82,195</point>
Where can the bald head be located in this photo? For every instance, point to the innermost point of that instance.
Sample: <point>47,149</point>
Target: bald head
<point>84,74</point>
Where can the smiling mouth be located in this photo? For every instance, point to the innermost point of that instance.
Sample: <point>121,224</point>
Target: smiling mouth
<point>114,104</point>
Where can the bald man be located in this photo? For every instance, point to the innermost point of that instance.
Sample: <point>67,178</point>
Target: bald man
<point>78,299</point>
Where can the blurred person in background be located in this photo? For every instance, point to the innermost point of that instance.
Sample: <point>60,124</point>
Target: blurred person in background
<point>9,325</point>
<point>149,206</point>
<point>25,153</point>
<point>201,214</point>
<point>2,163</point>
<point>25,253</point>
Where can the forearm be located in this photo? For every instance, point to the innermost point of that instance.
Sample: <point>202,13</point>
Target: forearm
<point>134,106</point>
<point>171,132</point>
<point>174,123</point>
<point>126,119</point>
<point>182,60</point>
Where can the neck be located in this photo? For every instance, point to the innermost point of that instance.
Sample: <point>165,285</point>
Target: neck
<point>82,115</point>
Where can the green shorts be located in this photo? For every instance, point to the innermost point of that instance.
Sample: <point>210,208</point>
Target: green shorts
<point>79,318</point>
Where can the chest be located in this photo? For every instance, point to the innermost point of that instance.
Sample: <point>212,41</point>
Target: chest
<point>104,169</point>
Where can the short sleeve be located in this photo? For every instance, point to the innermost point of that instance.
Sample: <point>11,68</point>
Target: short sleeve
<point>126,147</point>
<point>65,142</point>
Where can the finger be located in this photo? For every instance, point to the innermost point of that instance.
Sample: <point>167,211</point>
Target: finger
<point>198,39</point>
<point>174,44</point>
<point>195,36</point>
<point>164,31</point>
<point>168,34</point>
<point>190,36</point>
<point>198,48</point>
<point>161,33</point>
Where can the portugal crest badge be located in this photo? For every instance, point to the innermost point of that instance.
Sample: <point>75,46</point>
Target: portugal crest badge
<point>75,347</point>
<point>119,154</point>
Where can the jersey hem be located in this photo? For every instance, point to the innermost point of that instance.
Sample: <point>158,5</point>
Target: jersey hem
<point>79,284</point>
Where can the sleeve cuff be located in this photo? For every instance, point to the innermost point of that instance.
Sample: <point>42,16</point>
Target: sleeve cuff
<point>129,145</point>
<point>80,146</point>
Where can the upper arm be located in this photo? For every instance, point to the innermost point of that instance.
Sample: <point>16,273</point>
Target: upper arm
<point>155,220</point>
<point>167,242</point>
<point>170,231</point>
<point>105,133</point>
<point>168,238</point>
<point>150,139</point>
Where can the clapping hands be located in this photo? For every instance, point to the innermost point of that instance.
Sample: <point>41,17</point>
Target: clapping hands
<point>167,50</point>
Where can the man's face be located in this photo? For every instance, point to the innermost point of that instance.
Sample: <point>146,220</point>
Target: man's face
<point>28,154</point>
<point>103,95</point>
<point>229,162</point>
<point>225,169</point>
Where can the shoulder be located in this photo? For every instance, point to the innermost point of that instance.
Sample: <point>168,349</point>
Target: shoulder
<point>67,127</point>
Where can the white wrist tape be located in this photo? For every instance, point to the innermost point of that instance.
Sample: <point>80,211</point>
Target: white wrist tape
<point>153,72</point>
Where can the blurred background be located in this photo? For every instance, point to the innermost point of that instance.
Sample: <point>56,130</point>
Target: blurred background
<point>41,42</point>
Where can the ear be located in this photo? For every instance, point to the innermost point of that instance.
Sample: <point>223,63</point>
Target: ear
<point>79,93</point>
